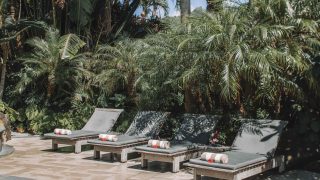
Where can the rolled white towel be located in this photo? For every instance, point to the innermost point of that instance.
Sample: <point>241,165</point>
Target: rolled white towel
<point>108,137</point>
<point>67,132</point>
<point>57,131</point>
<point>159,144</point>
<point>214,157</point>
<point>62,131</point>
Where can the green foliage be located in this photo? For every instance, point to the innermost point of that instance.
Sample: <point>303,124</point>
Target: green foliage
<point>11,113</point>
<point>227,130</point>
<point>52,66</point>
<point>43,120</point>
<point>252,61</point>
<point>233,57</point>
<point>81,12</point>
<point>308,124</point>
<point>3,5</point>
<point>124,122</point>
<point>121,68</point>
<point>119,100</point>
<point>70,45</point>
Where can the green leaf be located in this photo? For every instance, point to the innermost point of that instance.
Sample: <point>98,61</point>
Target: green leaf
<point>80,12</point>
<point>70,45</point>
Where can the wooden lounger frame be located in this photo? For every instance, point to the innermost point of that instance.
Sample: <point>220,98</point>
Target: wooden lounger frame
<point>238,174</point>
<point>76,142</point>
<point>123,150</point>
<point>174,158</point>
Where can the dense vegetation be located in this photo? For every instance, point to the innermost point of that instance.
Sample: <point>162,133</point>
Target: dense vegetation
<point>260,59</point>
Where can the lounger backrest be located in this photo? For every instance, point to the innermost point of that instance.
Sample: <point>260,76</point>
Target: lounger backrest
<point>259,136</point>
<point>147,123</point>
<point>102,120</point>
<point>197,128</point>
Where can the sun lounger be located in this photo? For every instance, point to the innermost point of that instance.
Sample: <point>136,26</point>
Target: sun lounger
<point>252,153</point>
<point>145,125</point>
<point>101,121</point>
<point>188,143</point>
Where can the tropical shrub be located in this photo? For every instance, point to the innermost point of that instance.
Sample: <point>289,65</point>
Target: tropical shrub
<point>50,69</point>
<point>44,120</point>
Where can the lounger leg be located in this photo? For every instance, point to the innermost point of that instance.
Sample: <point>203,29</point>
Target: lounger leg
<point>124,156</point>
<point>54,145</point>
<point>175,165</point>
<point>96,154</point>
<point>235,178</point>
<point>77,147</point>
<point>282,165</point>
<point>144,162</point>
<point>195,175</point>
<point>112,156</point>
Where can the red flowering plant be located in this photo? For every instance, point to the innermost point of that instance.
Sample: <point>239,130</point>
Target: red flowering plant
<point>218,138</point>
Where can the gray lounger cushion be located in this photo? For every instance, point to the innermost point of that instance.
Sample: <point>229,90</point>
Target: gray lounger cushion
<point>196,129</point>
<point>147,124</point>
<point>122,140</point>
<point>259,136</point>
<point>75,135</point>
<point>101,121</point>
<point>174,148</point>
<point>236,160</point>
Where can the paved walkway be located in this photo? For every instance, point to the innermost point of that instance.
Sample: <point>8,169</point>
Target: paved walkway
<point>33,159</point>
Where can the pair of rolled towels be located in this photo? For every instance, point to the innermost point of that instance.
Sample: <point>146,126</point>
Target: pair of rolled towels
<point>62,131</point>
<point>214,158</point>
<point>206,156</point>
<point>159,144</point>
<point>108,137</point>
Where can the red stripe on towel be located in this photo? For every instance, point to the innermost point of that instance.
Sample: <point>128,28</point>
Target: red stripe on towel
<point>155,146</point>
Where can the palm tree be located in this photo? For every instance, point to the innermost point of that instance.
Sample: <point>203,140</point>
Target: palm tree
<point>121,69</point>
<point>51,64</point>
<point>238,56</point>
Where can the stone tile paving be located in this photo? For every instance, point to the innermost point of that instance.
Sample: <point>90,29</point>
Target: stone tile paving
<point>33,159</point>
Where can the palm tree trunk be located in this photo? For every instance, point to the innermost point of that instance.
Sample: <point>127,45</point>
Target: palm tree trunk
<point>188,96</point>
<point>3,77</point>
<point>131,90</point>
<point>54,14</point>
<point>251,2</point>
<point>50,87</point>
<point>12,10</point>
<point>108,16</point>
<point>5,50</point>
<point>199,99</point>
<point>185,10</point>
<point>188,108</point>
<point>1,18</point>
